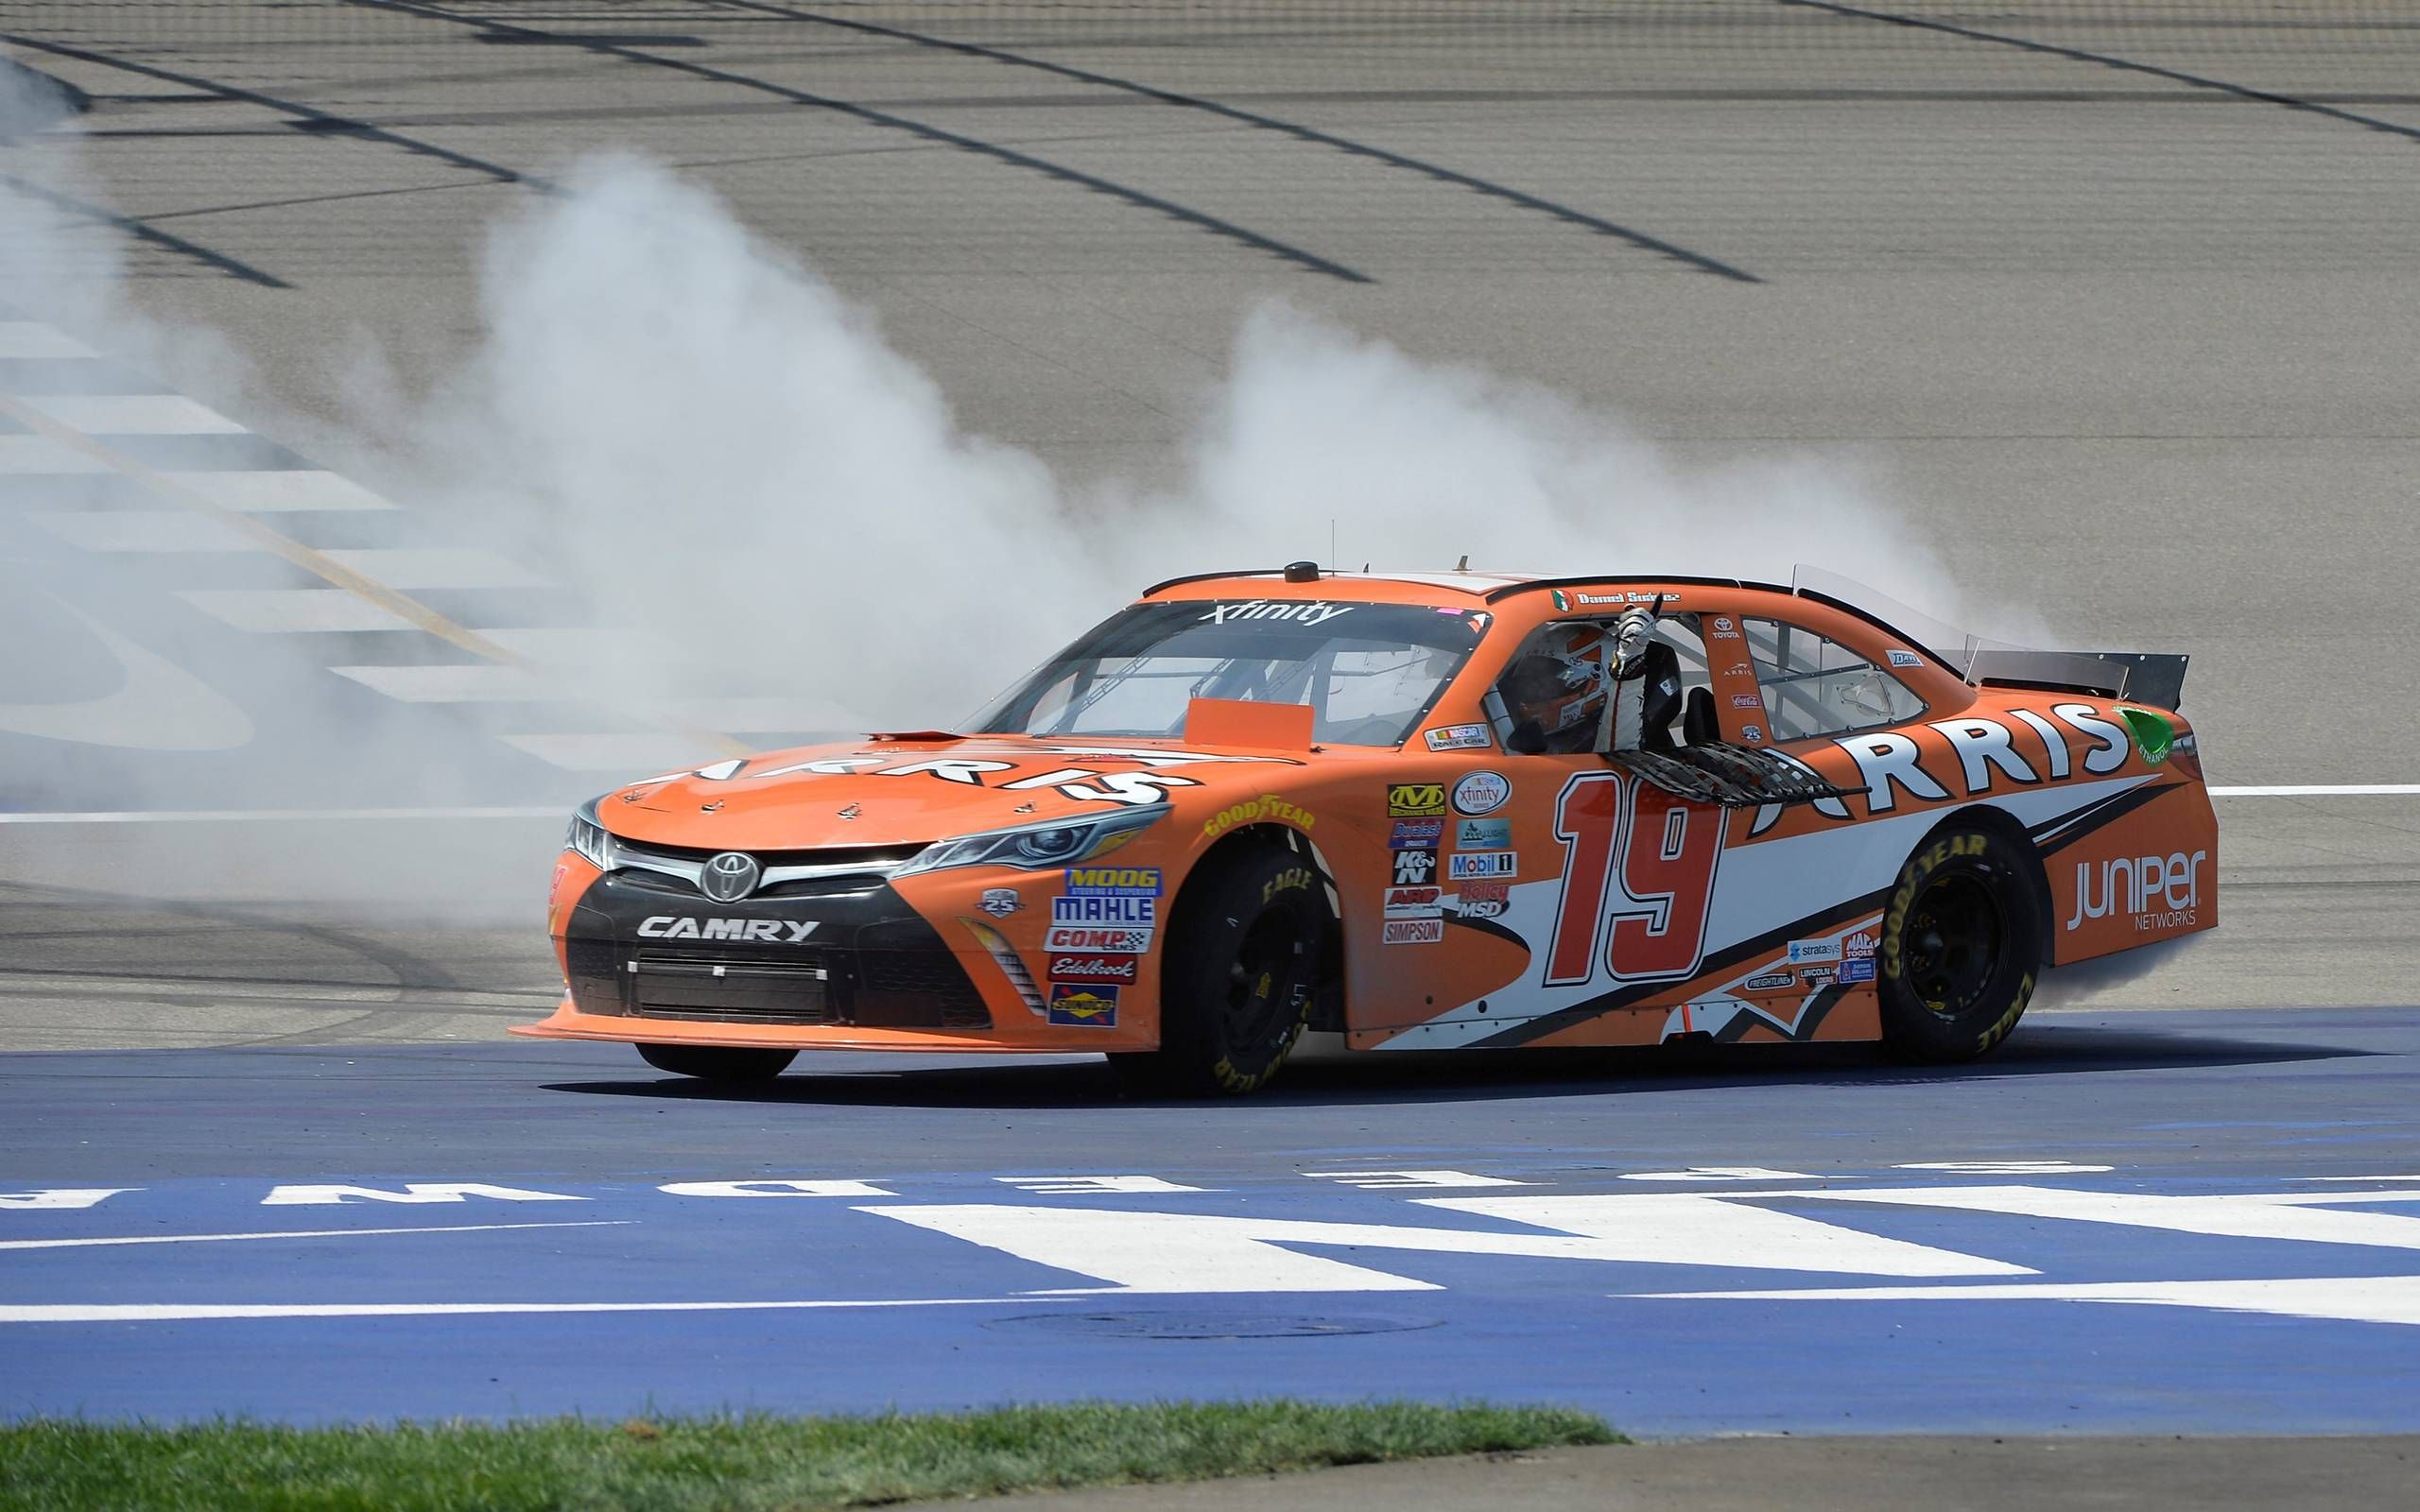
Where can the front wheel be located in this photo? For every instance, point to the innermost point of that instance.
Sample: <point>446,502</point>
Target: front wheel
<point>1961,942</point>
<point>1235,988</point>
<point>721,1063</point>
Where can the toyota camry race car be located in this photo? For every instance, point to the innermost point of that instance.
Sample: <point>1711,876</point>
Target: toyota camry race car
<point>1423,811</point>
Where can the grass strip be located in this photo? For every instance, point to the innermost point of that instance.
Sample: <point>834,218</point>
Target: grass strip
<point>734,1464</point>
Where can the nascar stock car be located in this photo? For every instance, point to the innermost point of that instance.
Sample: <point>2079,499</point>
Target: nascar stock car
<point>1434,811</point>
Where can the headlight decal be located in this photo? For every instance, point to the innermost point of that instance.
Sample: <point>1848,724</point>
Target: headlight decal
<point>1039,847</point>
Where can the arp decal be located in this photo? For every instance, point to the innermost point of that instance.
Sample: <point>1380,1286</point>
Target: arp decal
<point>756,930</point>
<point>2157,892</point>
<point>1084,1006</point>
<point>1637,882</point>
<point>1412,800</point>
<point>1413,903</point>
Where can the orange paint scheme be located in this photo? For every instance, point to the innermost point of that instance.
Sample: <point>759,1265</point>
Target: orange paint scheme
<point>1598,910</point>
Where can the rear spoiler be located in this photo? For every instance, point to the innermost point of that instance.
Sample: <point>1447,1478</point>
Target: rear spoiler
<point>2140,677</point>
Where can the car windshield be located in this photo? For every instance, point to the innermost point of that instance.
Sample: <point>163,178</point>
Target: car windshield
<point>1368,671</point>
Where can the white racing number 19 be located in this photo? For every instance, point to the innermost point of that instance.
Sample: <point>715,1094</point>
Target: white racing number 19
<point>1637,877</point>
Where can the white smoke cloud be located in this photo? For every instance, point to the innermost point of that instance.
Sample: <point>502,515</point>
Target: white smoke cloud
<point>709,439</point>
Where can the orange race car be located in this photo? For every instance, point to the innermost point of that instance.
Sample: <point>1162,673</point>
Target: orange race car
<point>1438,811</point>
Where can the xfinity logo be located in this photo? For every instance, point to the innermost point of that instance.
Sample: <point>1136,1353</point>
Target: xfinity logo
<point>1262,608</point>
<point>760,930</point>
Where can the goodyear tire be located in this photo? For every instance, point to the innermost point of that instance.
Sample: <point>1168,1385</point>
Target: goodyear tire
<point>718,1062</point>
<point>1235,988</point>
<point>1961,942</point>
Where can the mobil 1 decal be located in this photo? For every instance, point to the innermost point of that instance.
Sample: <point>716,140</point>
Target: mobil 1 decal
<point>1637,882</point>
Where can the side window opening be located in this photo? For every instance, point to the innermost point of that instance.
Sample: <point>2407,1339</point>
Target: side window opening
<point>1815,686</point>
<point>1554,694</point>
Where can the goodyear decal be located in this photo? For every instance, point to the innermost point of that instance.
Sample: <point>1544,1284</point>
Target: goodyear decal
<point>1266,806</point>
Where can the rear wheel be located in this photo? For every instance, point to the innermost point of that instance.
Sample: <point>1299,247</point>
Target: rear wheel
<point>721,1063</point>
<point>1962,940</point>
<point>1235,988</point>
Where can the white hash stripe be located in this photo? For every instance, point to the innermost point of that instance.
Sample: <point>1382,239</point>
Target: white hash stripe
<point>274,491</point>
<point>633,751</point>
<point>142,530</point>
<point>2345,1298</point>
<point>132,414</point>
<point>417,568</point>
<point>31,339</point>
<point>294,611</point>
<point>300,1234</point>
<point>466,682</point>
<point>38,455</point>
<point>177,1311</point>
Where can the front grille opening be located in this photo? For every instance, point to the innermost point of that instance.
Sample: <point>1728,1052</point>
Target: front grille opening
<point>881,988</point>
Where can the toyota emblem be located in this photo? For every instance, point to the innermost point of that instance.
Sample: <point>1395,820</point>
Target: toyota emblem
<point>729,877</point>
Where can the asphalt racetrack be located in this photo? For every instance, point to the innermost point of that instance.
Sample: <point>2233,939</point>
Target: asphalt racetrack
<point>2116,306</point>
<point>2149,1223</point>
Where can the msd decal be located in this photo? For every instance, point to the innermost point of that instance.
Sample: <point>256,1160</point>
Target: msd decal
<point>754,931</point>
<point>2158,892</point>
<point>1484,899</point>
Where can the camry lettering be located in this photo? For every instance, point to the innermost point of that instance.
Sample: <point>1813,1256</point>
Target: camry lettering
<point>752,931</point>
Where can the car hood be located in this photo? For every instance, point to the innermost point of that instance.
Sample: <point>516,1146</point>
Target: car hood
<point>891,792</point>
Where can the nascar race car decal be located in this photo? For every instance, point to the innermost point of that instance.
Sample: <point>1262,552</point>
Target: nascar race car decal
<point>1424,812</point>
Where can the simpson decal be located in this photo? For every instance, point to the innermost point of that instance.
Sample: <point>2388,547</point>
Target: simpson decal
<point>1413,931</point>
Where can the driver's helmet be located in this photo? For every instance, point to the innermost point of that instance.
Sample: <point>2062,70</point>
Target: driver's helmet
<point>1561,685</point>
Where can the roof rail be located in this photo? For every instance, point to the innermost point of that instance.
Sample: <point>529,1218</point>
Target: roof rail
<point>1204,577</point>
<point>1510,589</point>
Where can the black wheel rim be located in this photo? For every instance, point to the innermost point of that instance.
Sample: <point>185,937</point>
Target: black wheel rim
<point>1263,1000</point>
<point>1955,934</point>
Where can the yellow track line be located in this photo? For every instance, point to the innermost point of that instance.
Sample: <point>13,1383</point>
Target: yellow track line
<point>319,563</point>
